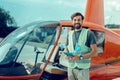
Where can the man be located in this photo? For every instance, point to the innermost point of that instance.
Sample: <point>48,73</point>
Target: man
<point>81,43</point>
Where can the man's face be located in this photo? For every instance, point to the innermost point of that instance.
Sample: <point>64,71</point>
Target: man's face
<point>77,22</point>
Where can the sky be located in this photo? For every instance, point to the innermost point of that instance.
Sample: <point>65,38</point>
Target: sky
<point>27,11</point>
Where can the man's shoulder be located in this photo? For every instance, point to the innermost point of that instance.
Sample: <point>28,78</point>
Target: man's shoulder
<point>89,31</point>
<point>86,29</point>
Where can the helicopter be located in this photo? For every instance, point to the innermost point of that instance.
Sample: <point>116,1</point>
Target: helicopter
<point>34,52</point>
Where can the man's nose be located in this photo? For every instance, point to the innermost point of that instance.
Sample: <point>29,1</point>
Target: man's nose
<point>76,21</point>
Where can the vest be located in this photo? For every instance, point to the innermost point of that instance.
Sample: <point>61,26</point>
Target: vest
<point>84,63</point>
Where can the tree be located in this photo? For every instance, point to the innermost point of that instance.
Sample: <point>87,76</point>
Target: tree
<point>6,23</point>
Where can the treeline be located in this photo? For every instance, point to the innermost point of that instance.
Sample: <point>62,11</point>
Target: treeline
<point>111,26</point>
<point>5,31</point>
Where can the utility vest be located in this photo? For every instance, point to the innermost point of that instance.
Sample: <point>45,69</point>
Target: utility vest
<point>84,63</point>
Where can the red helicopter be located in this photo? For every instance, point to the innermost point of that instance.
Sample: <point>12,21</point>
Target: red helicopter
<point>34,52</point>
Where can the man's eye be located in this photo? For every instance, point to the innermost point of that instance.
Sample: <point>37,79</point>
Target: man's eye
<point>74,19</point>
<point>79,19</point>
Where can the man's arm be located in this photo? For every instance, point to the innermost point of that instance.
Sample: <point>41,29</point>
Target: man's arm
<point>92,53</point>
<point>93,46</point>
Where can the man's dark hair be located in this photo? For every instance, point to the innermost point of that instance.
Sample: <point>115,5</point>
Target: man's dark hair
<point>77,14</point>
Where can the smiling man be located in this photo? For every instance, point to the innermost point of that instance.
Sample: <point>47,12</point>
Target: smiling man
<point>81,43</point>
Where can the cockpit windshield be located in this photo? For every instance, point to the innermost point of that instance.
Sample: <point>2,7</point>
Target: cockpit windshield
<point>22,44</point>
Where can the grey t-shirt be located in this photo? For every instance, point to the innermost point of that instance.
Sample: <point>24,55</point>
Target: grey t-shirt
<point>90,38</point>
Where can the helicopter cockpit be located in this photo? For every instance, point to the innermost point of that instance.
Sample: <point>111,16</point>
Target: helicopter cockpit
<point>27,44</point>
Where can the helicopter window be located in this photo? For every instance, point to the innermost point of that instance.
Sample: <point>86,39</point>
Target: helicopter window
<point>55,53</point>
<point>10,56</point>
<point>30,45</point>
<point>4,49</point>
<point>100,40</point>
<point>36,47</point>
<point>63,38</point>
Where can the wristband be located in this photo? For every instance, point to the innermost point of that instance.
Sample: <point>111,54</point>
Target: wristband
<point>81,57</point>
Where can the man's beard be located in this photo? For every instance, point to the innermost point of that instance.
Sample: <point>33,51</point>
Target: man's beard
<point>77,26</point>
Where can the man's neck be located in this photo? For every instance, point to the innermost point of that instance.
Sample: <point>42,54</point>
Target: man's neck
<point>78,29</point>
